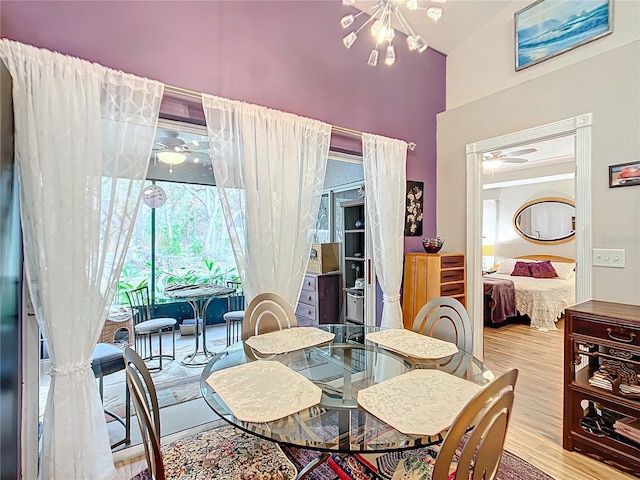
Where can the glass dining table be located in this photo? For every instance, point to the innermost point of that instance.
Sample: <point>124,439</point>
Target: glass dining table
<point>341,369</point>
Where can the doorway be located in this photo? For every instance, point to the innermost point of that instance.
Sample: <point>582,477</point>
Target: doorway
<point>579,126</point>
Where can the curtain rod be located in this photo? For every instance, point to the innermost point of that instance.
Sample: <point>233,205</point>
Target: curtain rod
<point>193,94</point>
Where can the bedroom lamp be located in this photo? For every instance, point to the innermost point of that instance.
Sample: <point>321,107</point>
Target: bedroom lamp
<point>488,251</point>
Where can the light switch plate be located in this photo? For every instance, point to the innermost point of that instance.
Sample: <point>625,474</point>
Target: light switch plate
<point>608,258</point>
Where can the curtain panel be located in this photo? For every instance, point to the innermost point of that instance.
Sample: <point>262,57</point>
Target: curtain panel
<point>84,135</point>
<point>269,168</point>
<point>385,178</point>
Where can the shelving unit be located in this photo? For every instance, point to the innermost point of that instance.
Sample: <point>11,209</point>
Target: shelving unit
<point>354,261</point>
<point>431,275</point>
<point>601,382</point>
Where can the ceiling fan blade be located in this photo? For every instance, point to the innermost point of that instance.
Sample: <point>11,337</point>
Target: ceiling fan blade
<point>524,151</point>
<point>514,160</point>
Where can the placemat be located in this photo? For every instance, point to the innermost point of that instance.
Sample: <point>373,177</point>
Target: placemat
<point>289,340</point>
<point>264,391</point>
<point>412,344</point>
<point>420,402</point>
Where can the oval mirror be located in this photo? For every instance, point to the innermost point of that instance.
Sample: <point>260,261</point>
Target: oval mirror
<point>546,220</point>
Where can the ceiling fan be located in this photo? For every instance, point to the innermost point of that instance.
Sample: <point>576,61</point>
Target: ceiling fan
<point>171,149</point>
<point>495,159</point>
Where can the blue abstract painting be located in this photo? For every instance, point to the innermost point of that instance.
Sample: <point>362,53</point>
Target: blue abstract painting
<point>550,27</point>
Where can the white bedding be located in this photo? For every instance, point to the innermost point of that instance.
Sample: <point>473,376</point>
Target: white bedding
<point>543,299</point>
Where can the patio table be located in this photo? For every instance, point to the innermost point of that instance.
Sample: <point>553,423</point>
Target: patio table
<point>198,296</point>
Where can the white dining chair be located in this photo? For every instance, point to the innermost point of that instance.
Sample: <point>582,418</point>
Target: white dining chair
<point>445,318</point>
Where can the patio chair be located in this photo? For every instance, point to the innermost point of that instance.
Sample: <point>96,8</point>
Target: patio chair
<point>244,453</point>
<point>471,449</point>
<point>445,318</point>
<point>145,326</point>
<point>235,313</point>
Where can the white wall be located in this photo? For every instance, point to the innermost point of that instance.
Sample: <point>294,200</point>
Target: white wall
<point>606,85</point>
<point>485,62</point>
<point>508,243</point>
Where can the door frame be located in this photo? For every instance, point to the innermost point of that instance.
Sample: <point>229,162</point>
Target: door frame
<point>581,127</point>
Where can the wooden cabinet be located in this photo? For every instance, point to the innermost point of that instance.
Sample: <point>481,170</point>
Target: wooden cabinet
<point>319,301</point>
<point>601,383</point>
<point>431,275</point>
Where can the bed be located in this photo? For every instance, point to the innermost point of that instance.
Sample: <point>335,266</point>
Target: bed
<point>511,292</point>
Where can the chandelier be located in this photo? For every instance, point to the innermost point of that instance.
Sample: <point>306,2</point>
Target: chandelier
<point>381,17</point>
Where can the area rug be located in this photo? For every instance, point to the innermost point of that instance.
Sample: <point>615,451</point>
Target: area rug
<point>511,467</point>
<point>174,384</point>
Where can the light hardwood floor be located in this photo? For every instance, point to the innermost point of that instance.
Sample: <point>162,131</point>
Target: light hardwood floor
<point>535,431</point>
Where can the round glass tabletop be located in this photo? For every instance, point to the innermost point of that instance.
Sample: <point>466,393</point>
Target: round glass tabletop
<point>340,369</point>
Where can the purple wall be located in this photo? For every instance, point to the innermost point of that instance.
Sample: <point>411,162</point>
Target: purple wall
<point>284,55</point>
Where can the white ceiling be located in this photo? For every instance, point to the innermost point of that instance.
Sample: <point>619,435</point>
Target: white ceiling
<point>460,18</point>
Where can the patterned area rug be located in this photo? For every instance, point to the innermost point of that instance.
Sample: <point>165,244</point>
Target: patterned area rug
<point>175,383</point>
<point>511,466</point>
<point>224,453</point>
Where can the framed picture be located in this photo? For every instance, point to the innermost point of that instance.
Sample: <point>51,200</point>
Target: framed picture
<point>548,28</point>
<point>624,174</point>
<point>413,212</point>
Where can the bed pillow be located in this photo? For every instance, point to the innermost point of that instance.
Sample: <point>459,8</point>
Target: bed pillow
<point>521,269</point>
<point>542,269</point>
<point>508,264</point>
<point>565,270</point>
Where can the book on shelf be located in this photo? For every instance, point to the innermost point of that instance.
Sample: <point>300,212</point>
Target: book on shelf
<point>629,427</point>
<point>602,380</point>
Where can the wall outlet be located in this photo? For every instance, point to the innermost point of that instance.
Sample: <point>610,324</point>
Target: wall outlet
<point>608,258</point>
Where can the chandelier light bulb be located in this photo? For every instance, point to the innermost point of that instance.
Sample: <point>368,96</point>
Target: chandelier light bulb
<point>390,58</point>
<point>422,45</point>
<point>349,39</point>
<point>346,20</point>
<point>411,43</point>
<point>373,58</point>
<point>379,19</point>
<point>375,29</point>
<point>434,13</point>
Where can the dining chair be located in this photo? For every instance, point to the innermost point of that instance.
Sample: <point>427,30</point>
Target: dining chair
<point>105,360</point>
<point>445,318</point>
<point>471,449</point>
<point>145,326</point>
<point>267,312</point>
<point>224,452</point>
<point>235,313</point>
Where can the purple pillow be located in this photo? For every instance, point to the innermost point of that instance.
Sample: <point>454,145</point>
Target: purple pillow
<point>543,269</point>
<point>521,269</point>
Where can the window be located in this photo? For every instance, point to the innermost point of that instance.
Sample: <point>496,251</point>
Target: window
<point>186,239</point>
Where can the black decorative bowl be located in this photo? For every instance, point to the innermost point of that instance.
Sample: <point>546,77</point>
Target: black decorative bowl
<point>432,245</point>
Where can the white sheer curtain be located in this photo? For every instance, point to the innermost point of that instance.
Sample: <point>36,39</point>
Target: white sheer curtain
<point>385,179</point>
<point>84,135</point>
<point>269,168</point>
